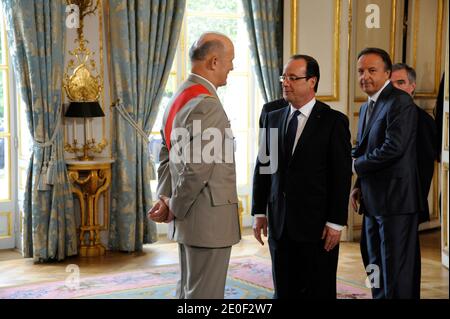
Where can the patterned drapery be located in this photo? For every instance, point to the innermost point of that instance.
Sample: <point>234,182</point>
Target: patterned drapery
<point>36,32</point>
<point>263,20</point>
<point>143,41</point>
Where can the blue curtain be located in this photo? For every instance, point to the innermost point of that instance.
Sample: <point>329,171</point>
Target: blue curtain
<point>143,41</point>
<point>263,19</point>
<point>36,31</point>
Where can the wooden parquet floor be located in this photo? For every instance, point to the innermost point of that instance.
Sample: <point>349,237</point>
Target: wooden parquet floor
<point>15,270</point>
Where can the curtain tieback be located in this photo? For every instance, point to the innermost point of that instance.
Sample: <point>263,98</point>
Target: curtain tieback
<point>121,109</point>
<point>47,174</point>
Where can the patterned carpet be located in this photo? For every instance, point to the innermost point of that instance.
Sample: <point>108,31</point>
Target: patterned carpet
<point>248,278</point>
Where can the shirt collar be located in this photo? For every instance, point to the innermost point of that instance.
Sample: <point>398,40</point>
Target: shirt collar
<point>206,80</point>
<point>305,109</point>
<point>377,95</point>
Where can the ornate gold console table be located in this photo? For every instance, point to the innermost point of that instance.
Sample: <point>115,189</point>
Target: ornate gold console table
<point>89,180</point>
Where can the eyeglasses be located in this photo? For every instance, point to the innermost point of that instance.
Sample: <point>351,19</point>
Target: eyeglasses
<point>292,78</point>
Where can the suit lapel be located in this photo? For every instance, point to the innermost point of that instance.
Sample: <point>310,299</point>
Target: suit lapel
<point>282,134</point>
<point>376,111</point>
<point>312,124</point>
<point>362,120</point>
<point>379,106</point>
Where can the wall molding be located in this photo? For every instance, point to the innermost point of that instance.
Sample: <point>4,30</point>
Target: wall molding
<point>392,45</point>
<point>336,46</point>
<point>438,48</point>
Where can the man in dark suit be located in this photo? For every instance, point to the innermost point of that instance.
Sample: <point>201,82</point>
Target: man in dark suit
<point>387,187</point>
<point>299,190</point>
<point>269,107</point>
<point>404,78</point>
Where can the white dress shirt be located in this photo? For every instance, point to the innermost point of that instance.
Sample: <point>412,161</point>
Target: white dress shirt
<point>377,95</point>
<point>305,112</point>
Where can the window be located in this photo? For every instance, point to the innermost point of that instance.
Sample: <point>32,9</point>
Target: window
<point>241,93</point>
<point>5,129</point>
<point>7,150</point>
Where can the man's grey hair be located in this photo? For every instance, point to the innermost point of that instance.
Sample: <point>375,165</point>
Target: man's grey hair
<point>411,73</point>
<point>200,49</point>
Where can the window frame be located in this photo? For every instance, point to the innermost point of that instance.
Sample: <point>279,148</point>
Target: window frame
<point>254,103</point>
<point>9,206</point>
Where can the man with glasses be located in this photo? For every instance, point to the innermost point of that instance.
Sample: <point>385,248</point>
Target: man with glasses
<point>304,200</point>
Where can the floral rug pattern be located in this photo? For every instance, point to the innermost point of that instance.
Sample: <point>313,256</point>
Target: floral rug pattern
<point>248,278</point>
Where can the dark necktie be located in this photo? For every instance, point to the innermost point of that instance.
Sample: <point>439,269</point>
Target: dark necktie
<point>291,133</point>
<point>369,110</point>
<point>369,113</point>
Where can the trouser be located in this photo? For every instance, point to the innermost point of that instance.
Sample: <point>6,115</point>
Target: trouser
<point>303,269</point>
<point>203,272</point>
<point>390,250</point>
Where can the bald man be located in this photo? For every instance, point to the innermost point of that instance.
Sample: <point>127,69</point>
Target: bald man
<point>197,176</point>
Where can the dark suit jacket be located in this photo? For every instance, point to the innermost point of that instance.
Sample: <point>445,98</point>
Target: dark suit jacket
<point>386,156</point>
<point>269,107</point>
<point>438,113</point>
<point>426,155</point>
<point>312,187</point>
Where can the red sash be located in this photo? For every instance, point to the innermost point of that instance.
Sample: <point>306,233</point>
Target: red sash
<point>182,99</point>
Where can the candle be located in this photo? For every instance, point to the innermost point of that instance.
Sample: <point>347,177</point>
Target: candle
<point>67,131</point>
<point>90,130</point>
<point>74,130</point>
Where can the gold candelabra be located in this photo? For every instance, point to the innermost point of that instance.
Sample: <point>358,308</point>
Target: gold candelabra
<point>90,145</point>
